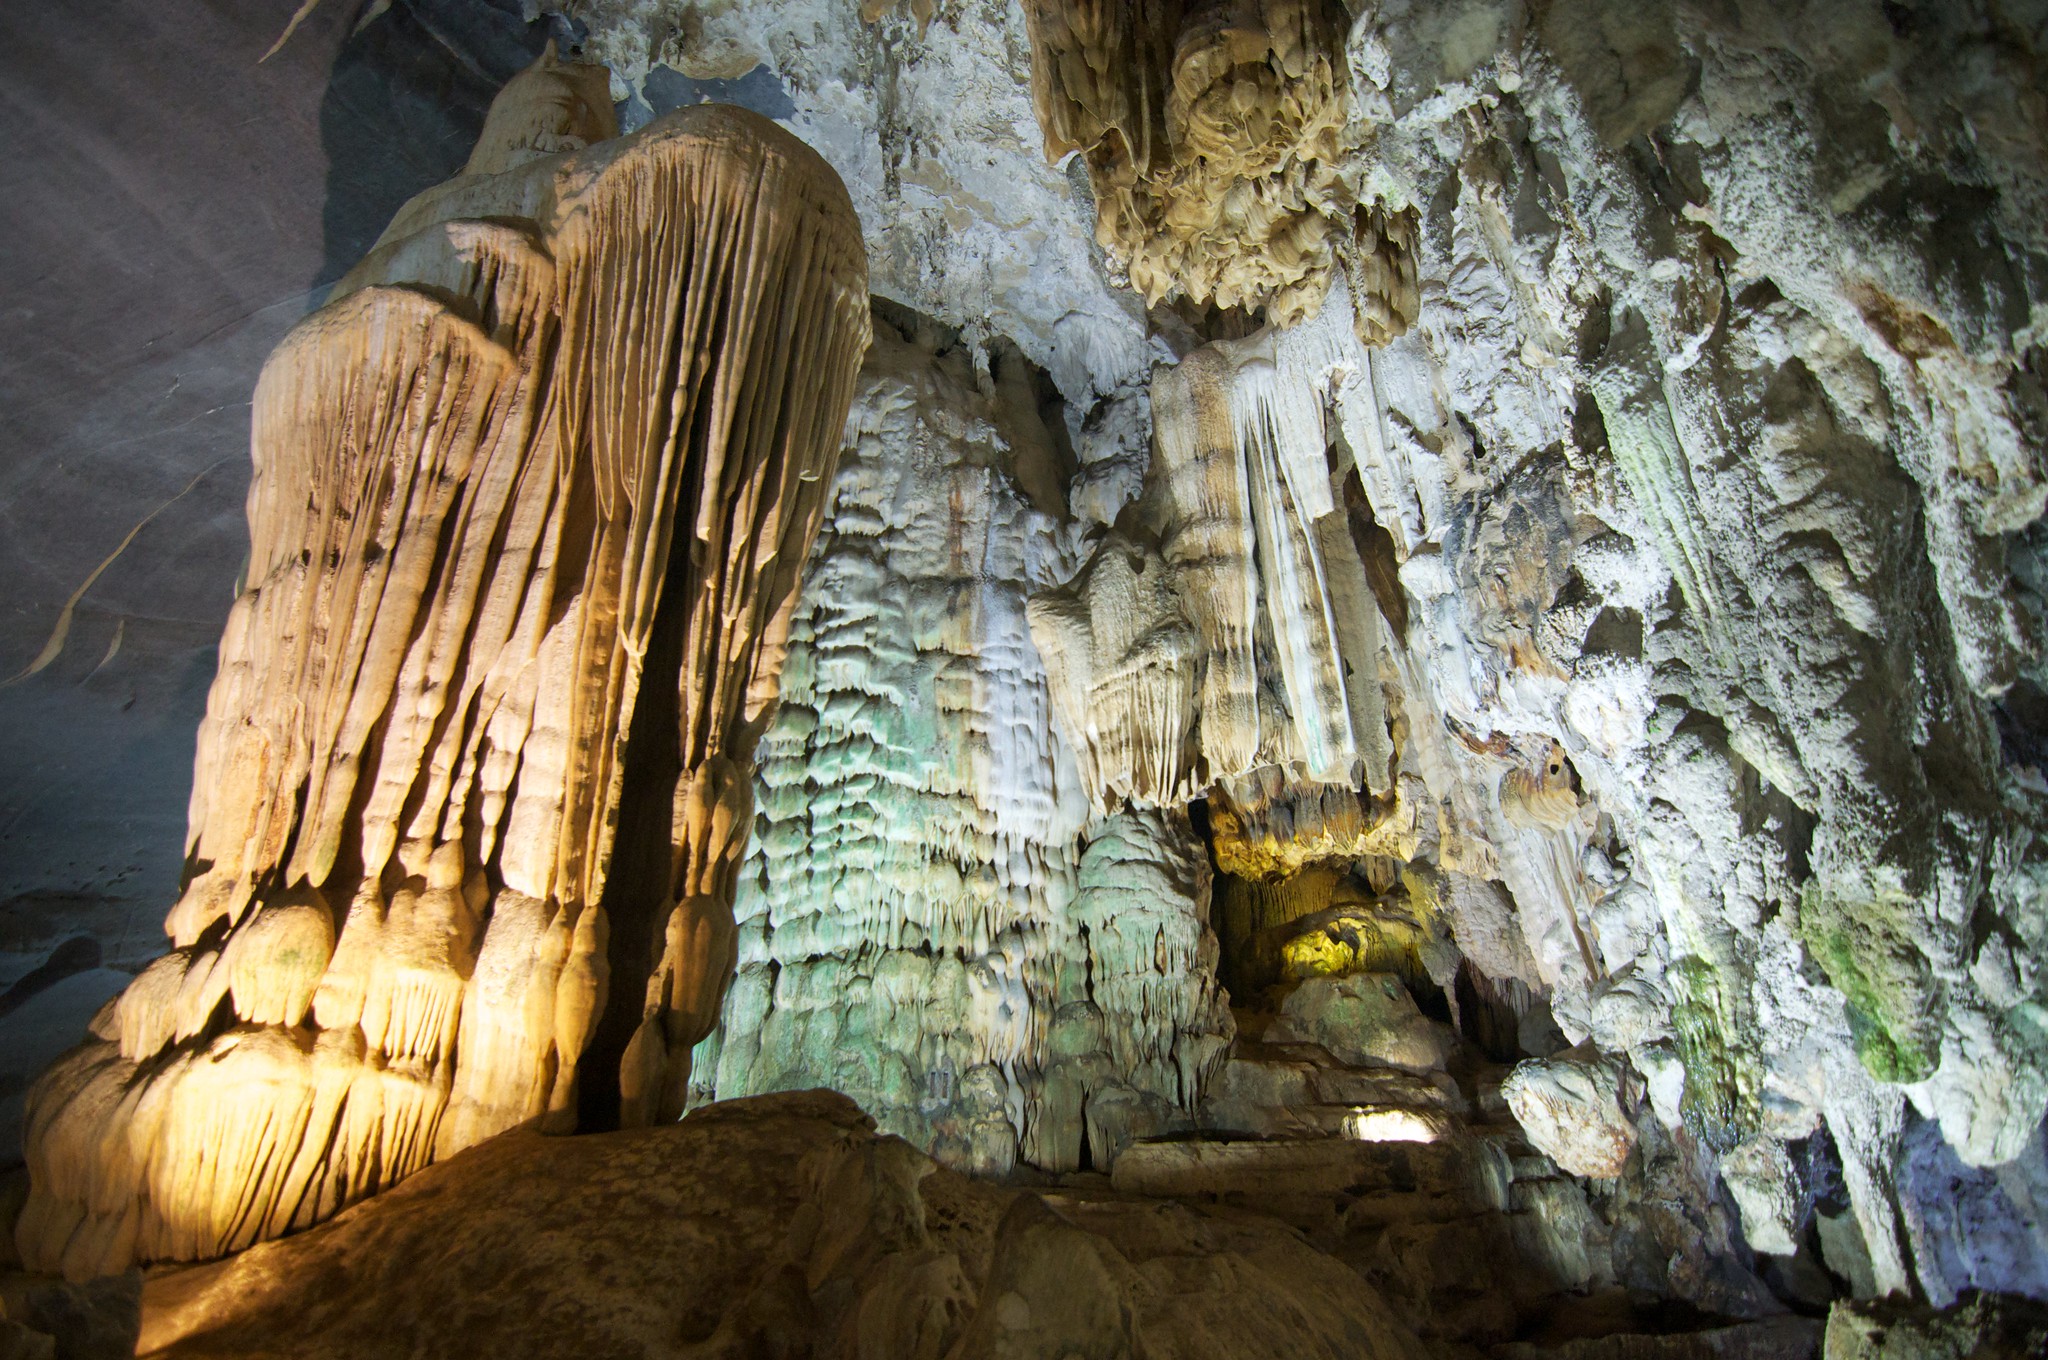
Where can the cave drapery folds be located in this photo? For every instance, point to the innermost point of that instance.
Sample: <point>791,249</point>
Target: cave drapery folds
<point>532,492</point>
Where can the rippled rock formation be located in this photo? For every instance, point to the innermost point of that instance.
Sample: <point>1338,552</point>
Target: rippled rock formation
<point>1510,655</point>
<point>921,925</point>
<point>531,496</point>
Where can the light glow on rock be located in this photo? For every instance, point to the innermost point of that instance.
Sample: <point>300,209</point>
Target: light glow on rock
<point>1390,1126</point>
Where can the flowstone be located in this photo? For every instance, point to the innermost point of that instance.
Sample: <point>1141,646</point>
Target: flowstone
<point>531,495</point>
<point>923,925</point>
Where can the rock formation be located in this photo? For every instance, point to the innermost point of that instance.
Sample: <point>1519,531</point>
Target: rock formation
<point>920,926</point>
<point>1157,675</point>
<point>776,1225</point>
<point>1213,134</point>
<point>1470,677</point>
<point>531,496</point>
<point>1712,592</point>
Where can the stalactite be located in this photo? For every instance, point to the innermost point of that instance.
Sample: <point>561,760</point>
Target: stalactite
<point>1242,657</point>
<point>1125,665</point>
<point>1386,290</point>
<point>1264,824</point>
<point>586,395</point>
<point>1214,134</point>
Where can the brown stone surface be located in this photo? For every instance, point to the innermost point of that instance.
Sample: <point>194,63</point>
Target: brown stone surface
<point>778,1225</point>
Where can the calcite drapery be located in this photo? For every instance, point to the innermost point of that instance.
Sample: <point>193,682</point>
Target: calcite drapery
<point>1239,631</point>
<point>532,493</point>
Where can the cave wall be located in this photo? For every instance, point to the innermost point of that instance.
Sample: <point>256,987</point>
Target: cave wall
<point>1682,405</point>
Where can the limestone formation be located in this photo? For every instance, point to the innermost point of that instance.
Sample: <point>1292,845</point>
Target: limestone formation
<point>1987,1327</point>
<point>1709,488</point>
<point>1248,640</point>
<point>1386,291</point>
<point>531,496</point>
<point>1364,1019</point>
<point>1526,758</point>
<point>1572,1110</point>
<point>1214,136</point>
<point>1765,1185</point>
<point>918,926</point>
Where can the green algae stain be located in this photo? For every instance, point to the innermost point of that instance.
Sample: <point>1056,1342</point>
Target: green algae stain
<point>1723,1074</point>
<point>1865,949</point>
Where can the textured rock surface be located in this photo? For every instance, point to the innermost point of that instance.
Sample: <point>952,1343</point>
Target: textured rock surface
<point>930,125</point>
<point>1213,135</point>
<point>920,926</point>
<point>1688,343</point>
<point>1364,1020</point>
<point>470,466</point>
<point>780,1225</point>
<point>1617,613</point>
<point>1987,1326</point>
<point>1572,1112</point>
<point>1707,480</point>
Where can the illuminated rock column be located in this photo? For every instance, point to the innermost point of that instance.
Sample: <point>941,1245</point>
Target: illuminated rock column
<point>531,496</point>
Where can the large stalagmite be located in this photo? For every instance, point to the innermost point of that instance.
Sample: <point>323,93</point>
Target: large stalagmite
<point>921,925</point>
<point>531,497</point>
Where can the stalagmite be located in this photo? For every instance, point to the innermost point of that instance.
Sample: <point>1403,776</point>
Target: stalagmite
<point>919,925</point>
<point>531,496</point>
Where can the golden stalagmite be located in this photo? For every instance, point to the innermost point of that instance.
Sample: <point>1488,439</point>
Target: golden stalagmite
<point>531,496</point>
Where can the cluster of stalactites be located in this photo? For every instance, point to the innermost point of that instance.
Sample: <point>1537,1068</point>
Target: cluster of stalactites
<point>569,397</point>
<point>1386,283</point>
<point>1239,631</point>
<point>1214,133</point>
